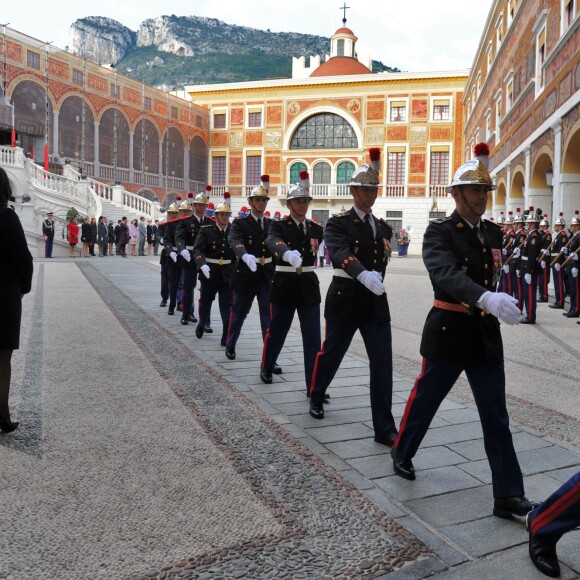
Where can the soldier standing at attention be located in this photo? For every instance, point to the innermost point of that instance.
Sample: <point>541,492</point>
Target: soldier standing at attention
<point>571,266</point>
<point>515,264</point>
<point>507,246</point>
<point>254,269</point>
<point>557,259</point>
<point>173,270</point>
<point>530,267</point>
<point>215,260</point>
<point>462,254</point>
<point>358,244</point>
<point>48,234</point>
<point>295,287</point>
<point>544,275</point>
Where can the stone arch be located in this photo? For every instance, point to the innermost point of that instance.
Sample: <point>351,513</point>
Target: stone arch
<point>570,157</point>
<point>313,111</point>
<point>500,193</point>
<point>70,130</point>
<point>146,147</point>
<point>517,186</point>
<point>570,175</point>
<point>148,194</point>
<point>198,160</point>
<point>321,172</point>
<point>107,137</point>
<point>173,144</point>
<point>543,160</point>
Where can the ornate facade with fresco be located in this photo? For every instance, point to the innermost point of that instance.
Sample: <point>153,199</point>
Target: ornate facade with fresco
<point>523,97</point>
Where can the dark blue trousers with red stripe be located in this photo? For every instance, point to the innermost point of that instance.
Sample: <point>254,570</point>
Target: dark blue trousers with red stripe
<point>530,292</point>
<point>559,289</point>
<point>282,316</point>
<point>543,281</point>
<point>378,343</point>
<point>207,295</point>
<point>240,308</point>
<point>174,273</point>
<point>559,514</point>
<point>487,382</point>
<point>574,295</point>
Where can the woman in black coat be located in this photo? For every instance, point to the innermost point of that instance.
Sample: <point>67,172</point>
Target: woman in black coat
<point>86,236</point>
<point>15,281</point>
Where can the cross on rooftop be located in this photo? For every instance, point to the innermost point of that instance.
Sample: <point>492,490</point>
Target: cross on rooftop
<point>344,8</point>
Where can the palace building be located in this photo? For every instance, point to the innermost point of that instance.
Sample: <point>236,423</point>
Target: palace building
<point>523,97</point>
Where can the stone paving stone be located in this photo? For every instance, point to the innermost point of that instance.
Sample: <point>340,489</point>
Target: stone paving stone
<point>357,448</point>
<point>340,433</point>
<point>487,535</point>
<point>335,462</point>
<point>457,416</point>
<point>446,552</point>
<point>455,507</point>
<point>295,431</point>
<point>479,469</point>
<point>356,479</point>
<point>332,417</point>
<point>374,467</point>
<point>385,503</point>
<point>420,569</point>
<point>546,459</point>
<point>540,485</point>
<point>313,445</point>
<point>565,474</point>
<point>452,434</point>
<point>429,482</point>
<point>513,563</point>
<point>278,399</point>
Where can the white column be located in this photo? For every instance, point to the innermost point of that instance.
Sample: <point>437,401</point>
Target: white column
<point>557,169</point>
<point>96,148</point>
<point>55,149</point>
<point>160,168</point>
<point>186,168</point>
<point>508,194</point>
<point>131,168</point>
<point>527,176</point>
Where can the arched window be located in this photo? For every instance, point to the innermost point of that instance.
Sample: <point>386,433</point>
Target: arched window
<point>324,131</point>
<point>295,170</point>
<point>321,173</point>
<point>340,47</point>
<point>198,160</point>
<point>344,172</point>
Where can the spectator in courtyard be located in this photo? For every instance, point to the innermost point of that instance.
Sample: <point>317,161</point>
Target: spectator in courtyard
<point>124,236</point>
<point>102,236</point>
<point>111,234</point>
<point>15,281</point>
<point>156,237</point>
<point>150,237</point>
<point>72,234</point>
<point>142,229</point>
<point>403,241</point>
<point>133,233</point>
<point>86,236</point>
<point>93,238</point>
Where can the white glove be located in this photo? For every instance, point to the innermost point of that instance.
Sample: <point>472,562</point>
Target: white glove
<point>575,272</point>
<point>293,257</point>
<point>250,260</point>
<point>574,256</point>
<point>518,273</point>
<point>516,252</point>
<point>506,268</point>
<point>545,251</point>
<point>205,270</point>
<point>557,267</point>
<point>504,252</point>
<point>501,305</point>
<point>565,251</point>
<point>372,281</point>
<point>528,278</point>
<point>185,253</point>
<point>173,256</point>
<point>543,264</point>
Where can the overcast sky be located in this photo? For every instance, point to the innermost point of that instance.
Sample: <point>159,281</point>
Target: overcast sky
<point>417,36</point>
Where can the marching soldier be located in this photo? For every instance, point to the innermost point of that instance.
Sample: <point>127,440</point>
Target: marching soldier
<point>359,245</point>
<point>185,236</point>
<point>515,264</point>
<point>529,266</point>
<point>172,213</point>
<point>462,254</point>
<point>48,234</point>
<point>557,258</point>
<point>173,269</point>
<point>571,265</point>
<point>295,287</point>
<point>544,275</point>
<point>215,259</point>
<point>507,246</point>
<point>254,269</point>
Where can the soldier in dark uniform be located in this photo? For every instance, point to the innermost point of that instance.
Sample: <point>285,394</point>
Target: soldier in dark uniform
<point>254,269</point>
<point>185,237</point>
<point>530,267</point>
<point>172,213</point>
<point>215,260</point>
<point>462,254</point>
<point>544,274</point>
<point>515,264</point>
<point>173,269</point>
<point>295,287</point>
<point>571,266</point>
<point>48,234</point>
<point>507,248</point>
<point>359,245</point>
<point>557,258</point>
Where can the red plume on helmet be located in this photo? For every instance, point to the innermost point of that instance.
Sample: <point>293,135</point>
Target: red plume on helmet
<point>208,188</point>
<point>304,179</point>
<point>190,195</point>
<point>178,198</point>
<point>375,158</point>
<point>227,195</point>
<point>265,182</point>
<point>481,152</point>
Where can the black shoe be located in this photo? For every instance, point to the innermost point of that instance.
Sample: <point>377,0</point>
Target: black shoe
<point>543,556</point>
<point>526,320</point>
<point>179,308</point>
<point>208,329</point>
<point>555,306</point>
<point>163,303</point>
<point>541,300</point>
<point>277,370</point>
<point>389,440</point>
<point>572,315</point>
<point>265,377</point>
<point>230,353</point>
<point>192,318</point>
<point>223,342</point>
<point>184,321</point>
<point>401,466</point>
<point>8,427</point>
<point>171,311</point>
<point>326,396</point>
<point>504,507</point>
<point>199,331</point>
<point>316,411</point>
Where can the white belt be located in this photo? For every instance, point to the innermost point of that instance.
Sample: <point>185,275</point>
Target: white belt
<point>219,261</point>
<point>555,254</point>
<point>341,274</point>
<point>261,261</point>
<point>295,270</point>
<point>524,257</point>
<point>189,248</point>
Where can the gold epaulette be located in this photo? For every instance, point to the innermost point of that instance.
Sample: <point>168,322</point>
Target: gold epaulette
<point>441,220</point>
<point>341,214</point>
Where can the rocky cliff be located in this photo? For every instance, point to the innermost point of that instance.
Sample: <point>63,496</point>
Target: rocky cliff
<point>171,51</point>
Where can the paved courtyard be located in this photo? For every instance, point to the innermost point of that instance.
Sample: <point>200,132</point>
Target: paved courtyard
<point>144,452</point>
